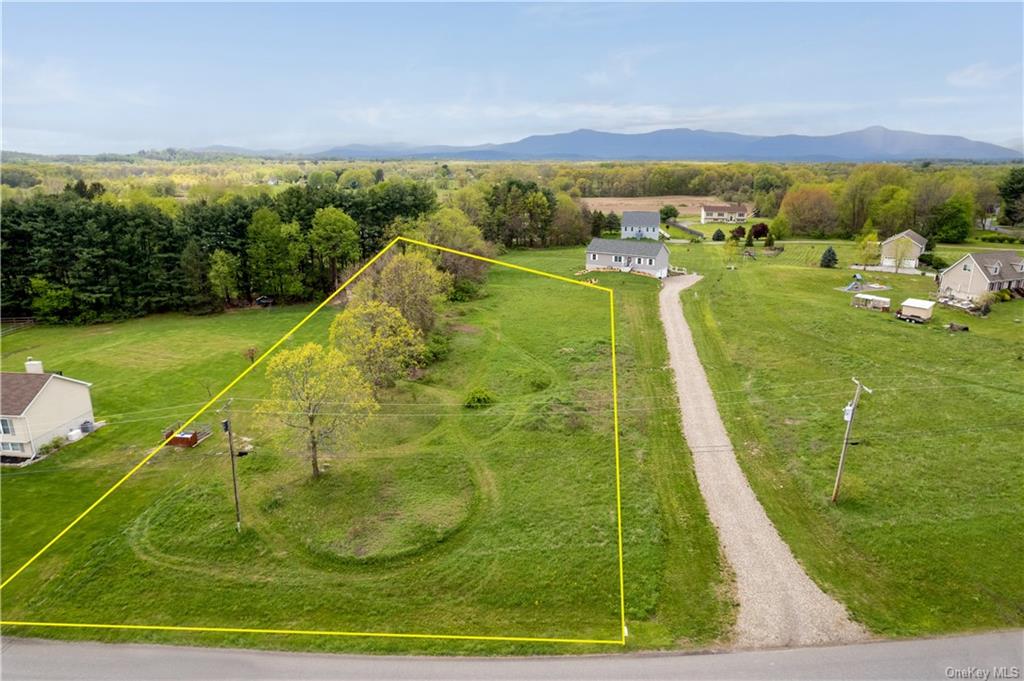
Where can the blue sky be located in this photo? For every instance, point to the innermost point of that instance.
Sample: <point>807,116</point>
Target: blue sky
<point>122,77</point>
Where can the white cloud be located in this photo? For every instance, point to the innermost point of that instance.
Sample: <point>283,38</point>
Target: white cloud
<point>981,75</point>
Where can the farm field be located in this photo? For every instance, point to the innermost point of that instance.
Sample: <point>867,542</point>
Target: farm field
<point>496,521</point>
<point>687,205</point>
<point>927,537</point>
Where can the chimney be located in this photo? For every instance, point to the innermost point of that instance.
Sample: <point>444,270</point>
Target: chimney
<point>33,366</point>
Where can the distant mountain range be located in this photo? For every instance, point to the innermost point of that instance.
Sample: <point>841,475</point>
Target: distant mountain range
<point>676,144</point>
<point>871,144</point>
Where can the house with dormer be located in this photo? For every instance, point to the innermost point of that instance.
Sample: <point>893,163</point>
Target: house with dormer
<point>975,275</point>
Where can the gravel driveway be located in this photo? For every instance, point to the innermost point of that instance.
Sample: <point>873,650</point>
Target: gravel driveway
<point>779,605</point>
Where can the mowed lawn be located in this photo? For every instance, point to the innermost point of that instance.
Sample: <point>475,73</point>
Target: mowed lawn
<point>928,535</point>
<point>498,521</point>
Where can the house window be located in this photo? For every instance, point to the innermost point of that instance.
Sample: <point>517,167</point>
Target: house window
<point>12,447</point>
<point>967,267</point>
<point>650,261</point>
<point>616,258</point>
<point>593,256</point>
<point>6,427</point>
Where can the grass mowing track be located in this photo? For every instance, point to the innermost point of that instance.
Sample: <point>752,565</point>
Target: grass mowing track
<point>496,521</point>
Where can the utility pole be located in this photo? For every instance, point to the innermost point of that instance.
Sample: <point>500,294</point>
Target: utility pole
<point>226,426</point>
<point>848,413</point>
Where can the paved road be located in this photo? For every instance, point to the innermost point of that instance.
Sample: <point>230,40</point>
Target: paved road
<point>27,660</point>
<point>779,605</point>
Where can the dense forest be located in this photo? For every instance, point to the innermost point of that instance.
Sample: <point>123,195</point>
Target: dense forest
<point>94,239</point>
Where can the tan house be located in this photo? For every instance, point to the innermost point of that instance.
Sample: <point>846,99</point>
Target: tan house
<point>901,251</point>
<point>727,212</point>
<point>976,274</point>
<point>37,408</point>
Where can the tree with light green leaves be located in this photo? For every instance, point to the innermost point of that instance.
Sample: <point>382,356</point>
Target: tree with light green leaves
<point>867,247</point>
<point>335,239</point>
<point>891,210</point>
<point>451,228</point>
<point>320,397</point>
<point>411,283</point>
<point>357,178</point>
<point>223,275</point>
<point>378,340</point>
<point>275,251</point>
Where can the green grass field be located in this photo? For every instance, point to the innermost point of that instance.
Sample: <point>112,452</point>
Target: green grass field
<point>499,521</point>
<point>928,536</point>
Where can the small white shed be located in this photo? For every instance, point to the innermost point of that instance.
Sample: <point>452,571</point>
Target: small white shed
<point>916,309</point>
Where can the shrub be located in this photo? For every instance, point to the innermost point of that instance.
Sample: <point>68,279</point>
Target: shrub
<point>478,399</point>
<point>933,261</point>
<point>52,447</point>
<point>738,233</point>
<point>829,258</point>
<point>719,235</point>
<point>769,240</point>
<point>438,347</point>
<point>668,212</point>
<point>760,230</point>
<point>464,290</point>
<point>750,239</point>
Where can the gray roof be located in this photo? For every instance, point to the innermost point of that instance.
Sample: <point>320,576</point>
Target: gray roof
<point>636,247</point>
<point>641,218</point>
<point>1008,262</point>
<point>18,390</point>
<point>910,234</point>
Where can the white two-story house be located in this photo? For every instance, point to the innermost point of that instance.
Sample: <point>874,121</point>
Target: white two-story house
<point>640,224</point>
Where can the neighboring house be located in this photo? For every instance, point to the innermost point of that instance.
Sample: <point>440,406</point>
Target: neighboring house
<point>628,255</point>
<point>37,408</point>
<point>905,247</point>
<point>727,212</point>
<point>976,274</point>
<point>640,224</point>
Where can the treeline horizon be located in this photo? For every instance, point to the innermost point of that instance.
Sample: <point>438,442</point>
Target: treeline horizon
<point>122,240</point>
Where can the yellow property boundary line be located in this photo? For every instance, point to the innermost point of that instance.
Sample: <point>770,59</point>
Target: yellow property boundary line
<point>369,634</point>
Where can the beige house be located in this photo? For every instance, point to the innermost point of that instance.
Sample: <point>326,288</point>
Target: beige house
<point>37,408</point>
<point>727,212</point>
<point>901,251</point>
<point>976,274</point>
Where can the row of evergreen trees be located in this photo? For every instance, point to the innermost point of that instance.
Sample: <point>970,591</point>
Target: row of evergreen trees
<point>71,258</point>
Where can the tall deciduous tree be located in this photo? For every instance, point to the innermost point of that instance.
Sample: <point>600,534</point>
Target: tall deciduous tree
<point>224,275</point>
<point>320,396</point>
<point>811,211</point>
<point>378,340</point>
<point>452,228</point>
<point>411,283</point>
<point>335,238</point>
<point>951,222</point>
<point>275,250</point>
<point>891,210</point>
